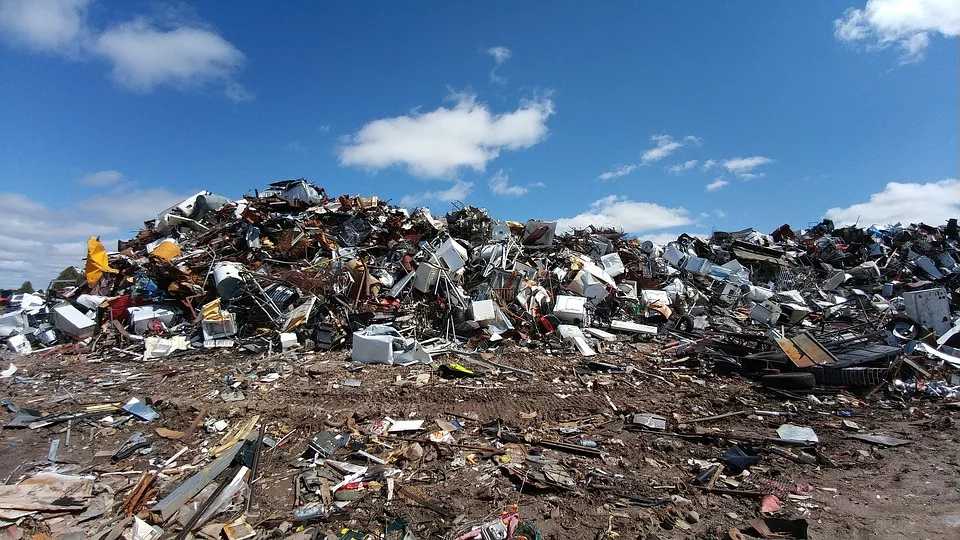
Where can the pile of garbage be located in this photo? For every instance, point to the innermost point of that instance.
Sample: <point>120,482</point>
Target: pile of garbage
<point>291,270</point>
<point>279,278</point>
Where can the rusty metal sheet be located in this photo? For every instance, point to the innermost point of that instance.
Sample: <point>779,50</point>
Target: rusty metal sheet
<point>805,351</point>
<point>793,353</point>
<point>813,349</point>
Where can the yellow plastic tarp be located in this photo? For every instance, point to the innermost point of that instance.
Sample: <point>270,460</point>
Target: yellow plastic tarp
<point>97,262</point>
<point>166,251</point>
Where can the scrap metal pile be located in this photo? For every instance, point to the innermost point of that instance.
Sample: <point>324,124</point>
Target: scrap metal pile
<point>280,277</point>
<point>290,269</point>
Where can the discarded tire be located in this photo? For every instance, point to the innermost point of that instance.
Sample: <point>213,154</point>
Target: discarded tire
<point>789,381</point>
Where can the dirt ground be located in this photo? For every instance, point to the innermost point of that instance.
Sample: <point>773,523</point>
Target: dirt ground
<point>905,492</point>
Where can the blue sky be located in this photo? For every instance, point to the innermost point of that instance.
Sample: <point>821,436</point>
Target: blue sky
<point>659,118</point>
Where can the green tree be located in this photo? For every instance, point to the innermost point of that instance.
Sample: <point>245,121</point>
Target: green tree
<point>67,277</point>
<point>27,287</point>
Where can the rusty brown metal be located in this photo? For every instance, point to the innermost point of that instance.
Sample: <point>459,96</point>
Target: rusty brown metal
<point>805,351</point>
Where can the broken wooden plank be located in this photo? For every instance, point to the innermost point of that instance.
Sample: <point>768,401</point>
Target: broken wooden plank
<point>422,500</point>
<point>48,492</point>
<point>715,417</point>
<point>172,502</point>
<point>236,435</point>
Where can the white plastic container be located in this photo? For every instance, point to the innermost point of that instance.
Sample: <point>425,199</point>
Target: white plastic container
<point>141,316</point>
<point>673,256</point>
<point>426,277</point>
<point>72,322</point>
<point>288,340</point>
<point>572,309</point>
<point>19,344</point>
<point>452,255</point>
<point>482,311</point>
<point>612,264</point>
<point>227,277</point>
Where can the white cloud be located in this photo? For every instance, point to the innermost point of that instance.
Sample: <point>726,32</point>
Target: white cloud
<point>680,168</point>
<point>145,56</point>
<point>660,239</point>
<point>500,185</point>
<point>38,241</point>
<point>743,167</point>
<point>717,184</point>
<point>457,192</point>
<point>631,216</point>
<point>102,178</point>
<point>324,128</point>
<point>931,203</point>
<point>852,27</point>
<point>500,55</point>
<point>720,214</point>
<point>751,176</point>
<point>296,147</point>
<point>125,207</point>
<point>238,93</point>
<point>144,53</point>
<point>622,170</point>
<point>708,164</point>
<point>438,143</point>
<point>664,145</point>
<point>904,23</point>
<point>44,25</point>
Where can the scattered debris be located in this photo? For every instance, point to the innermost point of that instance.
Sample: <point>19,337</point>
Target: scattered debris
<point>417,372</point>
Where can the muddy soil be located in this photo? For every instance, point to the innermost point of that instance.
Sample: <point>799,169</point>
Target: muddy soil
<point>872,492</point>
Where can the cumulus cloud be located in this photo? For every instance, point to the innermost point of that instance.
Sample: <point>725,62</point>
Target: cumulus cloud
<point>145,56</point>
<point>127,206</point>
<point>905,24</point>
<point>38,241</point>
<point>457,192</point>
<point>661,238</point>
<point>500,54</point>
<point>438,143</point>
<point>664,145</point>
<point>102,178</point>
<point>708,164</point>
<point>44,25</point>
<point>680,168</point>
<point>631,216</point>
<point>717,184</point>
<point>622,170</point>
<point>931,203</point>
<point>500,185</point>
<point>144,53</point>
<point>744,167</point>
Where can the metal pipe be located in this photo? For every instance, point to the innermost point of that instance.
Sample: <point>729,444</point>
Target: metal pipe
<point>255,469</point>
<point>194,520</point>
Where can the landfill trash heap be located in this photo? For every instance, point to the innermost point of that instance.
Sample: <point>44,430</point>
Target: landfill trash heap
<point>822,323</point>
<point>290,269</point>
